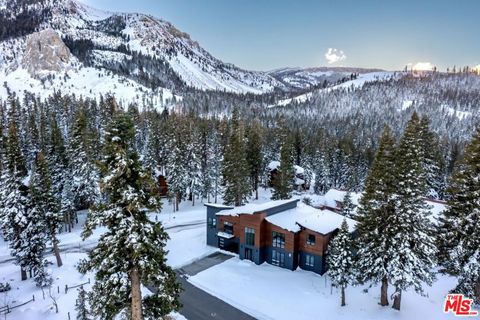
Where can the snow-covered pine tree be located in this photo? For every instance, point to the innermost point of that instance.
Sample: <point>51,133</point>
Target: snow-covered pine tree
<point>284,182</point>
<point>131,252</point>
<point>193,161</point>
<point>207,159</point>
<point>433,164</point>
<point>376,207</point>
<point>177,166</point>
<point>22,226</point>
<point>459,235</point>
<point>322,183</point>
<point>340,260</point>
<point>56,157</point>
<point>255,154</point>
<point>83,313</point>
<point>84,175</point>
<point>410,230</point>
<point>46,204</point>
<point>235,166</point>
<point>348,207</point>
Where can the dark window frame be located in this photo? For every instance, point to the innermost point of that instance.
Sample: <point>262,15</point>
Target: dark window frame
<point>278,239</point>
<point>310,241</point>
<point>228,227</point>
<point>249,236</point>
<point>278,258</point>
<point>309,260</point>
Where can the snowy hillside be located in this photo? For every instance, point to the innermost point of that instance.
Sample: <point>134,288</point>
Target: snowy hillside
<point>307,78</point>
<point>132,55</point>
<point>358,82</point>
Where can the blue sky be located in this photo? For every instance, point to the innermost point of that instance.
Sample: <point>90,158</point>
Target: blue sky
<point>268,34</point>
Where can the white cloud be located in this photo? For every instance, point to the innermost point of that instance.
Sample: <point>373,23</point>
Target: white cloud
<point>421,66</point>
<point>334,55</point>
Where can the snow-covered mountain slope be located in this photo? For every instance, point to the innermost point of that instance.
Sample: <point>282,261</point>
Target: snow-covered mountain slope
<point>137,54</point>
<point>307,78</point>
<point>358,82</point>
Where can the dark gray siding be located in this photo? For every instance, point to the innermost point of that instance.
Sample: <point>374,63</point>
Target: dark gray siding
<point>283,207</point>
<point>212,239</point>
<point>290,261</point>
<point>318,265</point>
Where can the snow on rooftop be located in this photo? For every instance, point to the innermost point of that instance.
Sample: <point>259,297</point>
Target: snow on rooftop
<point>322,221</point>
<point>339,195</point>
<point>252,208</point>
<point>275,164</point>
<point>218,205</point>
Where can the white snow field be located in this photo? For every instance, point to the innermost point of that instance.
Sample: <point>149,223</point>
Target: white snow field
<point>272,293</point>
<point>187,232</point>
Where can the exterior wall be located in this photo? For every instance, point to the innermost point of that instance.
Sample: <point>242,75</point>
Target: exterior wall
<point>318,250</point>
<point>212,239</point>
<point>289,250</point>
<point>318,265</point>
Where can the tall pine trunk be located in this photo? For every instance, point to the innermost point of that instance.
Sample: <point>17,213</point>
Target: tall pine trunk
<point>256,187</point>
<point>397,299</point>
<point>384,292</point>
<point>136,295</point>
<point>56,251</point>
<point>343,296</point>
<point>24,274</point>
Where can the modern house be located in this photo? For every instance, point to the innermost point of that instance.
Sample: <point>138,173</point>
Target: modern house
<point>284,233</point>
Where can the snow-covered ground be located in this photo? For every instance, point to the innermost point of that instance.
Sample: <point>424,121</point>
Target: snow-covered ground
<point>185,227</point>
<point>268,292</point>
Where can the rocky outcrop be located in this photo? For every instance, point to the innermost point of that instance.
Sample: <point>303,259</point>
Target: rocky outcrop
<point>45,51</point>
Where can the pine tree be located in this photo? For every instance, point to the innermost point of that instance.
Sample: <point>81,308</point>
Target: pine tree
<point>433,164</point>
<point>177,166</point>
<point>284,181</point>
<point>22,225</point>
<point>411,231</point>
<point>81,305</point>
<point>340,260</point>
<point>46,203</point>
<point>348,207</point>
<point>459,235</point>
<point>132,249</point>
<point>235,165</point>
<point>376,207</point>
<point>255,155</point>
<point>83,174</point>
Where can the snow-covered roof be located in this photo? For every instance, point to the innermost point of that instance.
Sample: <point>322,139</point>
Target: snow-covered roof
<point>275,164</point>
<point>218,205</point>
<point>339,195</point>
<point>252,208</point>
<point>225,235</point>
<point>322,221</point>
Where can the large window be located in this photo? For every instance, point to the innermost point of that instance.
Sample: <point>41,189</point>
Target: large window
<point>228,227</point>
<point>278,240</point>
<point>249,236</point>
<point>311,239</point>
<point>309,260</point>
<point>278,258</point>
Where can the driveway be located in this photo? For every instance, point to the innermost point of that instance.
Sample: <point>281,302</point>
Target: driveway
<point>200,305</point>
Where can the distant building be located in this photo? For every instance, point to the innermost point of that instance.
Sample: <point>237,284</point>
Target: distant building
<point>302,176</point>
<point>284,233</point>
